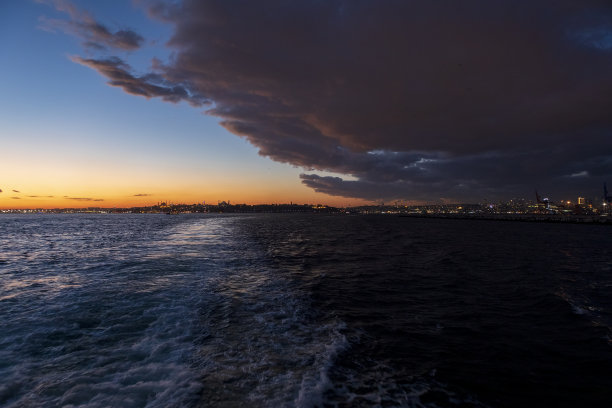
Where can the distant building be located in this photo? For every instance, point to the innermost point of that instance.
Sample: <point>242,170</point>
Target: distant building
<point>581,201</point>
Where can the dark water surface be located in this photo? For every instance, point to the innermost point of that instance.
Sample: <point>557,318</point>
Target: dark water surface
<point>303,310</point>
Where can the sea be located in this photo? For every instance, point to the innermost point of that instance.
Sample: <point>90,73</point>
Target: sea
<point>302,310</point>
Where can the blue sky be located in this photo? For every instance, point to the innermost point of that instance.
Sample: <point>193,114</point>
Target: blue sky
<point>66,133</point>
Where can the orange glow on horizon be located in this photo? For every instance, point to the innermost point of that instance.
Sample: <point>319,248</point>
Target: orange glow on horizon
<point>116,192</point>
<point>50,179</point>
<point>100,201</point>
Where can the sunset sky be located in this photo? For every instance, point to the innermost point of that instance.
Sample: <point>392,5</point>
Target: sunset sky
<point>113,103</point>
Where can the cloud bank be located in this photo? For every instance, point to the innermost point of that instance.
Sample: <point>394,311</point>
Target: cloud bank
<point>413,99</point>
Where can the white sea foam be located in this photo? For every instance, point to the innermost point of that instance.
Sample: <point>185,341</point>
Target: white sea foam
<point>315,383</point>
<point>190,315</point>
<point>112,365</point>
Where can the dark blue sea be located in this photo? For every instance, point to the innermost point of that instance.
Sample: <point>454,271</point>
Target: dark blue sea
<point>284,310</point>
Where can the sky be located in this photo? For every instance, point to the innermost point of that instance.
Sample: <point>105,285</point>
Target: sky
<point>340,102</point>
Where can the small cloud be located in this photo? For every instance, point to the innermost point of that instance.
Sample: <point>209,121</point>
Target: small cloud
<point>582,173</point>
<point>83,198</point>
<point>16,191</point>
<point>142,195</point>
<point>16,198</point>
<point>94,34</point>
<point>0,190</point>
<point>37,196</point>
<point>94,45</point>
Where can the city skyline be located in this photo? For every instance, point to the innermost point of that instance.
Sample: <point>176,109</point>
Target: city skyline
<point>142,200</point>
<point>342,104</point>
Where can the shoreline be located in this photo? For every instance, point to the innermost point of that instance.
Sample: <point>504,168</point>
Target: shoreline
<point>553,219</point>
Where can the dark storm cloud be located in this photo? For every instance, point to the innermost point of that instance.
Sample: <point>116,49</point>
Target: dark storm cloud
<point>94,34</point>
<point>410,98</point>
<point>397,176</point>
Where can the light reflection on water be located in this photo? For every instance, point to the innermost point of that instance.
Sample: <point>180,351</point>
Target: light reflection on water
<point>150,310</point>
